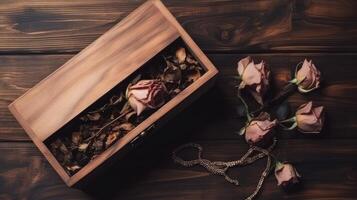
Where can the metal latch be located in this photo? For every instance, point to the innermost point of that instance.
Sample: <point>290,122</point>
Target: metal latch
<point>138,139</point>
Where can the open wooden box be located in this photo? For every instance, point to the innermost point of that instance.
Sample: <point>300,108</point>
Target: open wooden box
<point>54,102</point>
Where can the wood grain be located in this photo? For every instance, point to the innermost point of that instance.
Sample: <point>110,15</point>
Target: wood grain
<point>117,54</point>
<point>229,30</point>
<point>94,71</point>
<point>217,26</point>
<point>328,168</point>
<point>338,93</point>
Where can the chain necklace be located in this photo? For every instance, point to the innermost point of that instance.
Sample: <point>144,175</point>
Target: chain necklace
<point>220,167</point>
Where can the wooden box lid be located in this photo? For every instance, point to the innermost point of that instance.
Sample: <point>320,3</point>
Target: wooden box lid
<point>94,71</point>
<point>86,77</point>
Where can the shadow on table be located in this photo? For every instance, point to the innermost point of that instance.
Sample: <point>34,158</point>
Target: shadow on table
<point>130,169</point>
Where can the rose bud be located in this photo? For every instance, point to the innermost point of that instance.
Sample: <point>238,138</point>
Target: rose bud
<point>259,131</point>
<point>307,77</point>
<point>254,76</point>
<point>146,94</point>
<point>309,118</point>
<point>286,175</point>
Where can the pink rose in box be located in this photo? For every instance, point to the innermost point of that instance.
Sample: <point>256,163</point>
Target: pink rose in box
<point>147,94</point>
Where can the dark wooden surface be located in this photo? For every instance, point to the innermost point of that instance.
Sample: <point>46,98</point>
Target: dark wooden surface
<point>37,37</point>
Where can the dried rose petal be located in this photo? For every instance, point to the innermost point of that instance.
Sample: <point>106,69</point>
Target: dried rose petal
<point>93,116</point>
<point>309,118</point>
<point>126,127</point>
<point>73,168</point>
<point>172,75</point>
<point>181,55</point>
<point>308,77</point>
<point>255,77</point>
<point>76,137</point>
<point>191,60</point>
<point>112,137</point>
<point>286,175</point>
<point>193,75</point>
<point>83,147</point>
<point>259,131</point>
<point>147,94</point>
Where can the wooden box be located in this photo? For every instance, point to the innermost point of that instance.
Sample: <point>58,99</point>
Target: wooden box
<point>47,107</point>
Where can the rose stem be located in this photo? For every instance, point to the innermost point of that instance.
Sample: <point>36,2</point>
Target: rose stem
<point>292,119</point>
<point>288,89</point>
<point>294,125</point>
<point>276,160</point>
<point>101,129</point>
<point>249,117</point>
<point>289,120</point>
<point>282,125</point>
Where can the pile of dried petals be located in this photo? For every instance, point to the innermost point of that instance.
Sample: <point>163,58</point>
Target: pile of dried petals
<point>260,129</point>
<point>100,128</point>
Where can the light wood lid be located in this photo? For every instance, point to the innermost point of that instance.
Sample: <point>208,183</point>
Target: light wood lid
<point>94,71</point>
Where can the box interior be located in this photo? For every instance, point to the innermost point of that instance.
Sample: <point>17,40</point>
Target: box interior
<point>146,71</point>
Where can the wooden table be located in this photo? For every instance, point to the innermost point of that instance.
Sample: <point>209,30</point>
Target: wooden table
<point>37,37</point>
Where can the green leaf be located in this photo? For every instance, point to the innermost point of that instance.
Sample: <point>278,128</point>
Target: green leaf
<point>241,131</point>
<point>295,81</point>
<point>279,165</point>
<point>292,127</point>
<point>306,91</point>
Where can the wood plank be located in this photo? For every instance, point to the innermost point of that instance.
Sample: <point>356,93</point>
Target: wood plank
<point>217,26</point>
<point>16,79</point>
<point>328,168</point>
<point>94,71</point>
<point>81,81</point>
<point>338,94</point>
<point>26,174</point>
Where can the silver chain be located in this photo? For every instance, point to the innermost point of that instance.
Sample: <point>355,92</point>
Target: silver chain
<point>220,167</point>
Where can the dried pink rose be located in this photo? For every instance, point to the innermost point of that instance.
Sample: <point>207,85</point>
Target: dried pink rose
<point>259,131</point>
<point>254,76</point>
<point>307,77</point>
<point>309,118</point>
<point>286,175</point>
<point>146,94</point>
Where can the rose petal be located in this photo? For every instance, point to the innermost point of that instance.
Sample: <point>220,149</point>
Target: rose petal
<point>308,77</point>
<point>303,72</point>
<point>254,133</point>
<point>181,55</point>
<point>242,64</point>
<point>305,108</point>
<point>286,173</point>
<point>139,93</point>
<point>309,119</point>
<point>251,75</point>
<point>318,111</point>
<point>257,130</point>
<point>260,66</point>
<point>137,106</point>
<point>308,123</point>
<point>266,124</point>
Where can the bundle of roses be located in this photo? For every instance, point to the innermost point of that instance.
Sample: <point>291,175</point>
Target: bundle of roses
<point>260,128</point>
